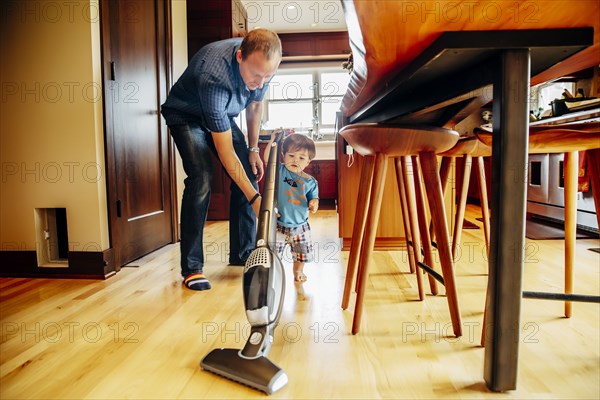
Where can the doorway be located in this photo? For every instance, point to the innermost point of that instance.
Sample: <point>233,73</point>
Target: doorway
<point>140,166</point>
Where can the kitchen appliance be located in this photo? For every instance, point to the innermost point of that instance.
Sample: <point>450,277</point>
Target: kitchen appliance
<point>545,193</point>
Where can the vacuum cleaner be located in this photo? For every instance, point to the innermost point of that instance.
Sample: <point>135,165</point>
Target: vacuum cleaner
<point>264,290</point>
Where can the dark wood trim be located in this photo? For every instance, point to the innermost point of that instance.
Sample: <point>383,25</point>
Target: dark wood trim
<point>171,145</point>
<point>81,265</point>
<point>165,37</point>
<point>111,187</point>
<point>313,44</point>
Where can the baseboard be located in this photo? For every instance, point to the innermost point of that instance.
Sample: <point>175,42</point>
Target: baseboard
<point>81,265</point>
<point>381,243</point>
<point>327,204</point>
<point>473,200</point>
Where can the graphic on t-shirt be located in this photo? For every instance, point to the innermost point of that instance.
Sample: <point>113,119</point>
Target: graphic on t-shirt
<point>295,193</point>
<point>290,182</point>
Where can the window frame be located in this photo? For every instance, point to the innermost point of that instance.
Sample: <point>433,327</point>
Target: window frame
<point>318,130</point>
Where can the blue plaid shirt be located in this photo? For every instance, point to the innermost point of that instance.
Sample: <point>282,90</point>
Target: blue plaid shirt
<point>211,92</point>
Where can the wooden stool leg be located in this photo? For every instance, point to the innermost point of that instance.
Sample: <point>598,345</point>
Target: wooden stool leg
<point>408,234</point>
<point>485,215</point>
<point>483,328</point>
<point>462,204</point>
<point>571,166</point>
<point>485,208</point>
<point>444,175</point>
<point>411,209</point>
<point>358,229</point>
<point>421,217</point>
<point>445,172</point>
<point>370,234</point>
<point>440,225</point>
<point>593,165</point>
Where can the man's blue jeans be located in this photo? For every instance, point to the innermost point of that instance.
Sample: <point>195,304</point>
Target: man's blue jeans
<point>194,145</point>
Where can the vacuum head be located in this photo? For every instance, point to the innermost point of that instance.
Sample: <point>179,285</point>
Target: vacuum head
<point>258,373</point>
<point>263,296</point>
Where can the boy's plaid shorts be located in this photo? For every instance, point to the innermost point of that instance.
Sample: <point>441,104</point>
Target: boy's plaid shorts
<point>299,239</point>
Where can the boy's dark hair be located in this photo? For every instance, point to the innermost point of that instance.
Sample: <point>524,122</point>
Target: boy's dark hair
<point>262,40</point>
<point>297,141</point>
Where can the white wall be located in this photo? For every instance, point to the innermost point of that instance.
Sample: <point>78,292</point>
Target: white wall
<point>180,62</point>
<point>51,130</point>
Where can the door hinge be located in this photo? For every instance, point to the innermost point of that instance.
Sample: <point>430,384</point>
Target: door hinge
<point>113,71</point>
<point>118,208</point>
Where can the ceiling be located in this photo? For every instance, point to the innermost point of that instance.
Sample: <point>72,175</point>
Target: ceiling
<point>296,16</point>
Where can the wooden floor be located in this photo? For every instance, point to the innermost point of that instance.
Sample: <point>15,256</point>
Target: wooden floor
<point>140,334</point>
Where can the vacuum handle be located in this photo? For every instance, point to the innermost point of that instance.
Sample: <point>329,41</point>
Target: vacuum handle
<point>267,217</point>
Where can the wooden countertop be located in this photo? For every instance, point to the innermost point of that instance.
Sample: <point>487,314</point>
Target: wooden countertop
<point>592,115</point>
<point>386,36</point>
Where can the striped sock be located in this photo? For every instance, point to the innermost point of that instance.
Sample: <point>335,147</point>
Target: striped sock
<point>196,281</point>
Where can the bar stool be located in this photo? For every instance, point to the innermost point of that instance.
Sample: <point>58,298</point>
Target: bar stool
<point>568,139</point>
<point>418,239</point>
<point>467,149</point>
<point>377,143</point>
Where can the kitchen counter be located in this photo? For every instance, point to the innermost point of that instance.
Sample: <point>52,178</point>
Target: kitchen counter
<point>592,115</point>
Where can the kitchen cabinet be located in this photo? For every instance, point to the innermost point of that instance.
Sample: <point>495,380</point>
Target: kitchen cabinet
<point>212,20</point>
<point>307,44</point>
<point>325,172</point>
<point>390,230</point>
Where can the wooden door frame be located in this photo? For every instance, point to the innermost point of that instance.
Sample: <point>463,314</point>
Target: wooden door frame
<point>164,30</point>
<point>171,144</point>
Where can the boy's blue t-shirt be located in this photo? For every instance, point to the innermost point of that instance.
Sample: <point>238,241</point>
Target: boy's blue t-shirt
<point>294,193</point>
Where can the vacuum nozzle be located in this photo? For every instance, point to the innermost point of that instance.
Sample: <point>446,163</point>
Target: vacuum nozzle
<point>259,373</point>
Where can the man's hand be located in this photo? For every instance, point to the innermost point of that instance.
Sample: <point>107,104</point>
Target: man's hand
<point>257,165</point>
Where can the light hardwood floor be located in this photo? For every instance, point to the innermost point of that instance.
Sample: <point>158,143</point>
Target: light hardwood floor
<point>140,334</point>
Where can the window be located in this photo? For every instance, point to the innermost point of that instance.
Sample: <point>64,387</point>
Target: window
<point>544,94</point>
<point>306,100</point>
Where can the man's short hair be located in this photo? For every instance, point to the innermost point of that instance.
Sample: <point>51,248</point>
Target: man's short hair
<point>298,141</point>
<point>262,40</point>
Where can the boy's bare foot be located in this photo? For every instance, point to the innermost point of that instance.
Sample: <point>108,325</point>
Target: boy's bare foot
<point>299,276</point>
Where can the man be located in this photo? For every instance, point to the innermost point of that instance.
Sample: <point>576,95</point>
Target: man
<point>222,79</point>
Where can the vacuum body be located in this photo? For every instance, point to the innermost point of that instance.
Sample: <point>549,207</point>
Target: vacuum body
<point>263,291</point>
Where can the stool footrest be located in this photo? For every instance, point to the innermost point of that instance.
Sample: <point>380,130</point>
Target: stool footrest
<point>562,297</point>
<point>432,272</point>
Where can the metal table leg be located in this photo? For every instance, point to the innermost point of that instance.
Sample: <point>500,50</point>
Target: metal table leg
<point>509,161</point>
